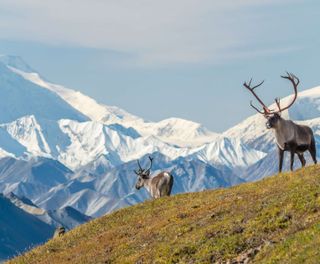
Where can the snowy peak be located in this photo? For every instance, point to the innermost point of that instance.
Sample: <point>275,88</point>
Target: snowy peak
<point>176,131</point>
<point>88,106</point>
<point>16,62</point>
<point>77,144</point>
<point>28,133</point>
<point>19,97</point>
<point>230,152</point>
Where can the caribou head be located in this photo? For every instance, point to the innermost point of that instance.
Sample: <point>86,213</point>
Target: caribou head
<point>143,174</point>
<point>273,116</point>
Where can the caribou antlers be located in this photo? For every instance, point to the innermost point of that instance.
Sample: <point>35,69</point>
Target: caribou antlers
<point>266,111</point>
<point>144,171</point>
<point>148,170</point>
<point>295,82</point>
<point>140,169</point>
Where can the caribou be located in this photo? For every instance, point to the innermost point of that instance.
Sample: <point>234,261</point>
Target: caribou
<point>158,186</point>
<point>289,136</point>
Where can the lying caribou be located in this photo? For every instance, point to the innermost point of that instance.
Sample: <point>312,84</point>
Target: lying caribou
<point>289,136</point>
<point>158,186</point>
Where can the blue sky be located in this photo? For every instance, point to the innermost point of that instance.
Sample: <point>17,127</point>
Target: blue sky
<point>169,58</point>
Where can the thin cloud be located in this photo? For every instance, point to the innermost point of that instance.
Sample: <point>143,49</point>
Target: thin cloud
<point>154,32</point>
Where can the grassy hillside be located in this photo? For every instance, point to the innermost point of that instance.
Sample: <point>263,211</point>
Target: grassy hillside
<point>276,220</point>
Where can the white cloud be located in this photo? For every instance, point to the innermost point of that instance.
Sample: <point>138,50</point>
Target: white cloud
<point>154,32</point>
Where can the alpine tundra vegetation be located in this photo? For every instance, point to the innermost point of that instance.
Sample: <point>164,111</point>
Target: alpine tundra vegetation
<point>275,220</point>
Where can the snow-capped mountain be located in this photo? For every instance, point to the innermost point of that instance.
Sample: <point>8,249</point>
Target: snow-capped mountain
<point>71,142</point>
<point>228,151</point>
<point>75,144</point>
<point>41,128</point>
<point>177,131</point>
<point>173,130</point>
<point>19,97</point>
<point>79,101</point>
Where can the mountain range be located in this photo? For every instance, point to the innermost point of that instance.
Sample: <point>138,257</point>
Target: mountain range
<point>70,157</point>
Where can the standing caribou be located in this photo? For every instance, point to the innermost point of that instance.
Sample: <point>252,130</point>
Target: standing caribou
<point>289,136</point>
<point>158,186</point>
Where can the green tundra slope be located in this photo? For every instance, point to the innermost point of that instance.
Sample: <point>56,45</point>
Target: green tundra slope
<point>275,220</point>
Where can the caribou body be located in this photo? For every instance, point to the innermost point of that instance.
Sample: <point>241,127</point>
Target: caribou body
<point>289,136</point>
<point>158,186</point>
